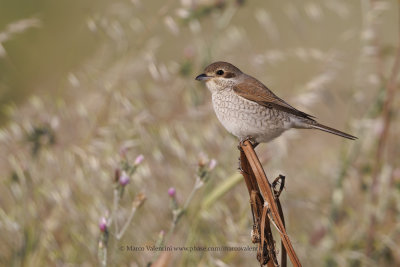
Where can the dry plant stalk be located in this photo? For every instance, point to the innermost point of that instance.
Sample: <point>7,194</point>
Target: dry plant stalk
<point>390,89</point>
<point>266,208</point>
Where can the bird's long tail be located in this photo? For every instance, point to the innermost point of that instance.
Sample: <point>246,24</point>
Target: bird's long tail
<point>324,128</point>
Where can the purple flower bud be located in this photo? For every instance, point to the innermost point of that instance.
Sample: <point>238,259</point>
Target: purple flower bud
<point>139,159</point>
<point>124,179</point>
<point>171,192</point>
<point>103,224</point>
<point>212,164</point>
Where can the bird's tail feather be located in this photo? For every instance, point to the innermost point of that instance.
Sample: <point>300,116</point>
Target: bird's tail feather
<point>332,131</point>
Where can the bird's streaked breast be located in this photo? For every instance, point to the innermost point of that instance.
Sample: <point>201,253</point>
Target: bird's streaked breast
<point>242,117</point>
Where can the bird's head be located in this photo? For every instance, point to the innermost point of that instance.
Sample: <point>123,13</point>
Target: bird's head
<point>220,75</point>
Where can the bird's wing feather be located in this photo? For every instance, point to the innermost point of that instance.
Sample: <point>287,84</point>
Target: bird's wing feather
<point>253,90</point>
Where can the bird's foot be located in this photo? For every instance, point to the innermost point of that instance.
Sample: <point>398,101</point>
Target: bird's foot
<point>250,139</point>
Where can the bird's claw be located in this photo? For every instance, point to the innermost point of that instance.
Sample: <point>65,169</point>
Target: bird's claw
<point>250,139</point>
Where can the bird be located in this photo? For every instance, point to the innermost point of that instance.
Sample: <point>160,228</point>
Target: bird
<point>251,111</point>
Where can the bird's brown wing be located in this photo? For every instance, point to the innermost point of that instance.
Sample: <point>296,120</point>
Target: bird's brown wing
<point>253,90</point>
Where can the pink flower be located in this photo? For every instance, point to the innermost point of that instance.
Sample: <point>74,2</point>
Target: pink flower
<point>124,179</point>
<point>139,159</point>
<point>171,192</point>
<point>212,164</point>
<point>103,224</point>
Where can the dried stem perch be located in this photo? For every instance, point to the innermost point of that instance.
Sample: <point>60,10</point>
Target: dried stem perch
<point>266,208</point>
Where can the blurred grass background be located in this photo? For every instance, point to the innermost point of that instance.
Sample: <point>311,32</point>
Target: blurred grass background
<point>79,80</point>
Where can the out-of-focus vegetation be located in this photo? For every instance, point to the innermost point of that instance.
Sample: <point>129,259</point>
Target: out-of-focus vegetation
<point>84,83</point>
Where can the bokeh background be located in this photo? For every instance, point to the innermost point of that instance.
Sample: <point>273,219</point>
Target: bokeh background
<point>87,84</point>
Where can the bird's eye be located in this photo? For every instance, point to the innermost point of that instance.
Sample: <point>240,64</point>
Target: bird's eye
<point>220,72</point>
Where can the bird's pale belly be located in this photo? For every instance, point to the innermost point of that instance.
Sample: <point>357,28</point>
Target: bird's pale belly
<point>247,119</point>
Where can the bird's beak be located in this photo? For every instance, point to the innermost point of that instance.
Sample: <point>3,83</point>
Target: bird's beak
<point>203,77</point>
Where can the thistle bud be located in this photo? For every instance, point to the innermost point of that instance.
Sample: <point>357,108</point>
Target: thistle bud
<point>212,164</point>
<point>139,159</point>
<point>124,179</point>
<point>172,192</point>
<point>103,224</point>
